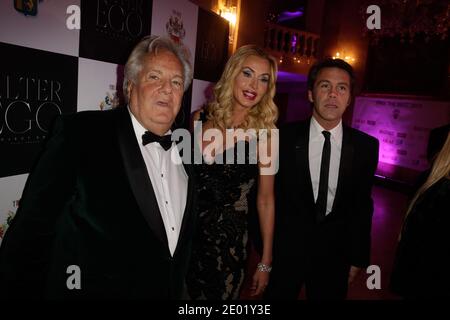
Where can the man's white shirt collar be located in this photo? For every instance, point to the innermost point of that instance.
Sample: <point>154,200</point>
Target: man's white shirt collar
<point>316,130</point>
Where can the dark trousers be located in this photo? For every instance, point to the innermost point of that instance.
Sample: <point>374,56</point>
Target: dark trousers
<point>321,282</point>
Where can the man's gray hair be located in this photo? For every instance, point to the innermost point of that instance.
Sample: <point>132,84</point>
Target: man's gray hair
<point>152,45</point>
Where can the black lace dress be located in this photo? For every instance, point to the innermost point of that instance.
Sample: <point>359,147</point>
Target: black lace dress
<point>219,251</point>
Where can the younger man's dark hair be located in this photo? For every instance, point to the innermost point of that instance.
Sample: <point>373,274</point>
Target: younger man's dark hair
<point>330,63</point>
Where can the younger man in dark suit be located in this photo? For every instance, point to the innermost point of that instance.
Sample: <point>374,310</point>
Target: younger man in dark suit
<point>107,213</point>
<point>323,194</point>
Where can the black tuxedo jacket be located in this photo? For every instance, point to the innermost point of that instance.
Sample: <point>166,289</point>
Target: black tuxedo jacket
<point>436,141</point>
<point>343,238</point>
<point>420,268</point>
<point>89,202</point>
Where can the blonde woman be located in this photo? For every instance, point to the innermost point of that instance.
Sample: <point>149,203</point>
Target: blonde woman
<point>243,99</point>
<point>421,263</point>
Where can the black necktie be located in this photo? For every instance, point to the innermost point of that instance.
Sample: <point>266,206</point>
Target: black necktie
<point>164,141</point>
<point>321,203</point>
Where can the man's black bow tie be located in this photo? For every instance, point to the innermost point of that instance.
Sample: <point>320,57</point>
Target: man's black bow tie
<point>164,141</point>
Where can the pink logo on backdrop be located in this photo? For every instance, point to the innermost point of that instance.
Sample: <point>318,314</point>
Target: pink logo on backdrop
<point>27,7</point>
<point>175,27</point>
<point>395,114</point>
<point>111,99</point>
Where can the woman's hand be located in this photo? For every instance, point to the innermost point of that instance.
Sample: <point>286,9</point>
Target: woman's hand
<point>260,282</point>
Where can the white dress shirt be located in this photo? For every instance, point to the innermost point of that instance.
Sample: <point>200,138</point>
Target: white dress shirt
<point>316,141</point>
<point>169,181</point>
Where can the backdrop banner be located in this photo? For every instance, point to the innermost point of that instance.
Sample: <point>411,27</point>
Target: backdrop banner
<point>402,126</point>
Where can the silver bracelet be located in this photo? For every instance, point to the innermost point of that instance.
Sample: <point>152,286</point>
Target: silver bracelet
<point>264,267</point>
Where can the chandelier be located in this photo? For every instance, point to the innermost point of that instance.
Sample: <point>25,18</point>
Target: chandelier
<point>409,19</point>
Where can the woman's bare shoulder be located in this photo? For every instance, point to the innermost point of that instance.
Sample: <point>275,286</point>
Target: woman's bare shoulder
<point>197,114</point>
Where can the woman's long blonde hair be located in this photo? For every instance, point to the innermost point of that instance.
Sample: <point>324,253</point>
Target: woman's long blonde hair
<point>264,114</point>
<point>439,170</point>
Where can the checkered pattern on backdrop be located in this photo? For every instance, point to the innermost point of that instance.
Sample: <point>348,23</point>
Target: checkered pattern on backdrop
<point>47,68</point>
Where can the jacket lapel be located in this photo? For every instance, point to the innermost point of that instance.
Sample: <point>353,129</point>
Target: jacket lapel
<point>188,210</point>
<point>302,159</point>
<point>138,177</point>
<point>345,164</point>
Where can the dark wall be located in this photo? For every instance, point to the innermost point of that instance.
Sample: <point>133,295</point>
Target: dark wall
<point>418,68</point>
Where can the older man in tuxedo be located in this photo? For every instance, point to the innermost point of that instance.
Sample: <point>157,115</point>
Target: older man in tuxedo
<point>323,194</point>
<point>106,212</point>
